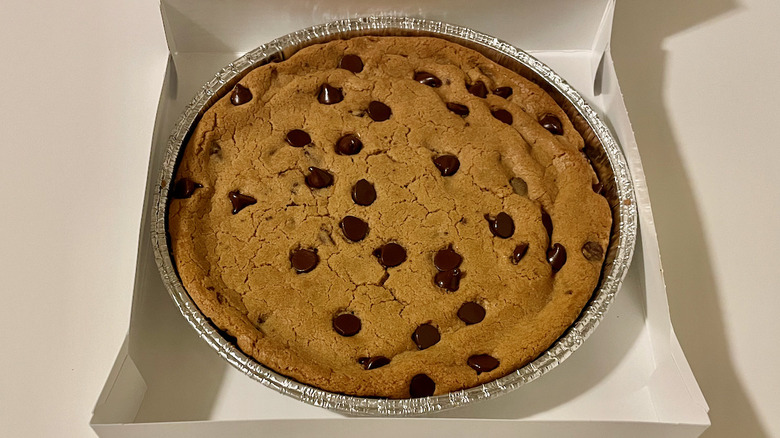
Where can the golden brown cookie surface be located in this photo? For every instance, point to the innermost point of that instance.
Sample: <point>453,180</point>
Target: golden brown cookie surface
<point>373,217</point>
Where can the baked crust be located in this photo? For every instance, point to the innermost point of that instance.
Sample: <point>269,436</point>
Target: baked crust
<point>237,267</point>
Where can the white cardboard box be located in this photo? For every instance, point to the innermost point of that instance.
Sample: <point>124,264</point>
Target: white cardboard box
<point>630,377</point>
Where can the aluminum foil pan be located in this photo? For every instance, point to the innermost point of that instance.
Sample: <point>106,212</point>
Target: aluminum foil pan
<point>601,147</point>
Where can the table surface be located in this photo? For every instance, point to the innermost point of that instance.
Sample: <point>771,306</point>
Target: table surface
<point>699,80</point>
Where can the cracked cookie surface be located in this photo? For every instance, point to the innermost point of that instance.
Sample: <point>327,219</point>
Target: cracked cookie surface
<point>299,266</point>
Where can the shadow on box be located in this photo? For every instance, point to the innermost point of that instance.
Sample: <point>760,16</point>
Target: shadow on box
<point>639,34</point>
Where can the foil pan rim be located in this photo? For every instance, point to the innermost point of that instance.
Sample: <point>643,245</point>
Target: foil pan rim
<point>592,314</point>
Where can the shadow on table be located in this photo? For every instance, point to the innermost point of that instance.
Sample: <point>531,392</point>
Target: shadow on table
<point>640,60</point>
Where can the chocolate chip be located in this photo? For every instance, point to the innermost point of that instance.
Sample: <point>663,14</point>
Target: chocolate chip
<point>447,259</point>
<point>447,164</point>
<point>390,255</point>
<point>240,201</point>
<point>329,95</point>
<point>318,178</point>
<point>502,115</point>
<point>502,226</point>
<point>363,193</point>
<point>448,280</point>
<point>547,222</point>
<point>556,256</point>
<point>346,324</point>
<point>240,95</point>
<point>592,251</point>
<point>304,260</point>
<point>355,229</point>
<point>503,92</point>
<point>421,386</point>
<point>519,252</point>
<point>352,63</point>
<point>598,188</point>
<point>552,124</point>
<point>372,363</point>
<point>378,111</point>
<point>425,336</point>
<point>482,363</point>
<point>428,79</point>
<point>298,138</point>
<point>461,110</point>
<point>349,144</point>
<point>478,89</point>
<point>519,186</point>
<point>471,313</point>
<point>184,188</point>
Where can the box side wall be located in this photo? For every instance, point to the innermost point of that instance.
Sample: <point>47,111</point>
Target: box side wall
<point>389,428</point>
<point>241,25</point>
<point>673,386</point>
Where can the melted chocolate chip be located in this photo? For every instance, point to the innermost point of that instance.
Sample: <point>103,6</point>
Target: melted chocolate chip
<point>318,178</point>
<point>471,313</point>
<point>349,144</point>
<point>448,280</point>
<point>240,201</point>
<point>461,110</point>
<point>447,164</point>
<point>352,63</point>
<point>552,124</point>
<point>556,256</point>
<point>547,222</point>
<point>478,89</point>
<point>428,79</point>
<point>519,186</point>
<point>519,252</point>
<point>329,95</point>
<point>378,111</point>
<point>346,324</point>
<point>425,336</point>
<point>421,386</point>
<point>592,251</point>
<point>298,138</point>
<point>355,229</point>
<point>304,260</point>
<point>390,255</point>
<point>363,193</point>
<point>372,363</point>
<point>184,188</point>
<point>503,92</point>
<point>240,95</point>
<point>503,115</point>
<point>483,363</point>
<point>502,226</point>
<point>447,259</point>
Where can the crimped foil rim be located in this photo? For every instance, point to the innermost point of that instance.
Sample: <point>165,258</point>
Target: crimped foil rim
<point>589,319</point>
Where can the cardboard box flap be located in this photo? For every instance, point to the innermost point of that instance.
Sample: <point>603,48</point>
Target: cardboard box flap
<point>238,26</point>
<point>123,392</point>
